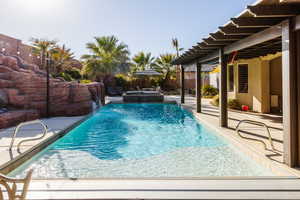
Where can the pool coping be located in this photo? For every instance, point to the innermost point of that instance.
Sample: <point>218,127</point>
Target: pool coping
<point>22,158</point>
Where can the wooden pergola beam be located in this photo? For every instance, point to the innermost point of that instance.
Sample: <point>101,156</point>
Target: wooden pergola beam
<point>289,94</point>
<point>221,37</point>
<point>280,10</point>
<point>263,36</point>
<point>255,21</point>
<point>182,84</point>
<point>223,90</point>
<point>255,39</point>
<point>199,49</point>
<point>202,45</point>
<point>297,23</point>
<point>210,41</point>
<point>198,87</point>
<point>232,30</point>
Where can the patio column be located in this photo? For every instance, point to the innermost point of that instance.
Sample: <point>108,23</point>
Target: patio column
<point>182,84</point>
<point>198,87</point>
<point>289,94</point>
<point>223,113</point>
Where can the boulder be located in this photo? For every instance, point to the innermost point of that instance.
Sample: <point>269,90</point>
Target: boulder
<point>1,59</point>
<point>13,118</point>
<point>25,88</point>
<point>3,98</point>
<point>11,62</point>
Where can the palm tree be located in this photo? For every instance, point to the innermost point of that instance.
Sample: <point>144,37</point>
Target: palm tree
<point>142,61</point>
<point>175,44</point>
<point>164,65</point>
<point>42,47</point>
<point>106,54</point>
<point>61,57</point>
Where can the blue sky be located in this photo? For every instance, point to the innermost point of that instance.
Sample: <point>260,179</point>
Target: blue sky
<point>144,25</point>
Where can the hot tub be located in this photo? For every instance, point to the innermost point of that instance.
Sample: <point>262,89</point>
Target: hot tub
<point>143,96</point>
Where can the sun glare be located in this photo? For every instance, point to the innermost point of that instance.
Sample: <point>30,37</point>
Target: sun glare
<point>40,5</point>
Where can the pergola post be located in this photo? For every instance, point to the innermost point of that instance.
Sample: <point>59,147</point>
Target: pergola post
<point>223,89</point>
<point>182,84</point>
<point>198,87</point>
<point>289,94</point>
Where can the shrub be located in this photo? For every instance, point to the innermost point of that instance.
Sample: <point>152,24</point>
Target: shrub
<point>65,76</point>
<point>234,104</point>
<point>85,81</point>
<point>209,91</point>
<point>192,91</point>
<point>121,80</point>
<point>215,100</point>
<point>74,73</point>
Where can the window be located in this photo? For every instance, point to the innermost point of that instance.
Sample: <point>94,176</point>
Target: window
<point>243,78</point>
<point>230,78</point>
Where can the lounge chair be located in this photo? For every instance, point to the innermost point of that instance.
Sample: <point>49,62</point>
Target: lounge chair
<point>10,186</point>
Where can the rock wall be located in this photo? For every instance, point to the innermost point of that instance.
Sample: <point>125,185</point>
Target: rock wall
<point>23,89</point>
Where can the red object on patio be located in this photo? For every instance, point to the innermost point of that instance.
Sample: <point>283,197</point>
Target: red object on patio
<point>245,108</point>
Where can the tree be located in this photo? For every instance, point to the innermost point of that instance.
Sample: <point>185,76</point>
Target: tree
<point>142,61</point>
<point>175,44</point>
<point>106,54</point>
<point>164,65</point>
<point>41,48</point>
<point>61,57</point>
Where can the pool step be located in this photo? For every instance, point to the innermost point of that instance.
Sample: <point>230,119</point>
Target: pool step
<point>262,188</point>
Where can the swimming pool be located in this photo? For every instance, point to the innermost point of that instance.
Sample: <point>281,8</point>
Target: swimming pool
<point>140,140</point>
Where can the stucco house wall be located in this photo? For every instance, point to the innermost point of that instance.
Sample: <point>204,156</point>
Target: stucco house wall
<point>264,80</point>
<point>258,97</point>
<point>214,79</point>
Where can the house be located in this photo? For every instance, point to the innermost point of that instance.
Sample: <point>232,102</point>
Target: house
<point>258,52</point>
<point>255,82</point>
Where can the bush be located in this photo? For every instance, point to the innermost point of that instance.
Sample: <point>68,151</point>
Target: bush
<point>121,80</point>
<point>69,75</point>
<point>74,73</point>
<point>215,100</point>
<point>234,104</point>
<point>192,91</point>
<point>209,91</point>
<point>85,81</point>
<point>65,76</point>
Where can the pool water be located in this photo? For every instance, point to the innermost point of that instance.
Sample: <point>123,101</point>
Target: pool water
<point>140,140</point>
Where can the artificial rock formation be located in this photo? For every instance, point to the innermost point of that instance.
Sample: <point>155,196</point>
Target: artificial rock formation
<point>23,91</point>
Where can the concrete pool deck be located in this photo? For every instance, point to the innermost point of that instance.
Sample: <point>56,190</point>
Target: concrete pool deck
<point>55,125</point>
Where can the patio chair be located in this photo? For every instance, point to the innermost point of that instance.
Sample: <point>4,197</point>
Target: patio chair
<point>10,186</point>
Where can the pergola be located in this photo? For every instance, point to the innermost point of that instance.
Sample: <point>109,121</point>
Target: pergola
<point>267,27</point>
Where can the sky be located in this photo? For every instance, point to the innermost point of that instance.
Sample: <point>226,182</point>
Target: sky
<point>144,25</point>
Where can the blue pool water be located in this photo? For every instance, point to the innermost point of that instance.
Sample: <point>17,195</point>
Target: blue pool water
<point>140,140</point>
